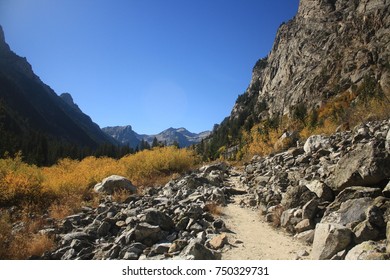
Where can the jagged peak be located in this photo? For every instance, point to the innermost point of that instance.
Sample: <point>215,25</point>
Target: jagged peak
<point>2,37</point>
<point>67,97</point>
<point>3,45</point>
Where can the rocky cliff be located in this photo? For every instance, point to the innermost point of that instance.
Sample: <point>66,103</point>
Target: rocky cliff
<point>327,48</point>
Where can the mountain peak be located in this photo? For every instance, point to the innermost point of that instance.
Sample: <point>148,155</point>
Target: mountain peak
<point>3,45</point>
<point>2,38</point>
<point>67,97</point>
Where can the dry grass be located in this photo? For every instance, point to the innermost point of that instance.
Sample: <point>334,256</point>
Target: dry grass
<point>23,241</point>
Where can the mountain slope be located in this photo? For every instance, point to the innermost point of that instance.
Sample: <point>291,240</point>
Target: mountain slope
<point>29,107</point>
<point>126,135</point>
<point>328,48</point>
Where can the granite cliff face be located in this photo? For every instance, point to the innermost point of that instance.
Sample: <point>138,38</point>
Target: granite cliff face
<point>327,48</point>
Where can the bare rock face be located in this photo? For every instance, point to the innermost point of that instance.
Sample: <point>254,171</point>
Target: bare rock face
<point>327,43</point>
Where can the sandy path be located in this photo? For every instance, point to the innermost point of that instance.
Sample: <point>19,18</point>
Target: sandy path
<point>254,239</point>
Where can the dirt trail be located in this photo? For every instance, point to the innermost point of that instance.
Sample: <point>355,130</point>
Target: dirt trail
<point>254,239</point>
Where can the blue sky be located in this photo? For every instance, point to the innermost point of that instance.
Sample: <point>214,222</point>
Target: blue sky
<point>152,64</point>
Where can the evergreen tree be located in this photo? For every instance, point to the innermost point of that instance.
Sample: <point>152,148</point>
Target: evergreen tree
<point>155,142</point>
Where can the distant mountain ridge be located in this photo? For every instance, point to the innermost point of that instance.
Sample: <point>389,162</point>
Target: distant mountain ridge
<point>127,136</point>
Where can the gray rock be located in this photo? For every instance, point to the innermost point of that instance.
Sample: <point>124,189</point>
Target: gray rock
<point>310,209</point>
<point>177,245</point>
<point>352,193</point>
<point>289,219</point>
<point>368,250</point>
<point>330,239</point>
<point>386,191</point>
<point>77,235</point>
<point>69,254</point>
<point>365,232</point>
<point>158,218</point>
<point>132,252</point>
<point>306,236</point>
<point>351,212</point>
<point>316,142</point>
<point>304,225</point>
<point>104,229</point>
<point>197,251</point>
<point>115,183</point>
<point>366,165</point>
<point>145,232</point>
<point>321,190</point>
<point>387,145</point>
<point>220,166</point>
<point>159,249</point>
<point>296,196</point>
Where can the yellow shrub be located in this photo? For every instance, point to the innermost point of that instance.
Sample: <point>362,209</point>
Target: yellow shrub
<point>73,176</point>
<point>19,182</point>
<point>148,166</point>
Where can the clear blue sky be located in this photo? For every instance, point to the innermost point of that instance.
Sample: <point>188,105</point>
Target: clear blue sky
<point>152,64</point>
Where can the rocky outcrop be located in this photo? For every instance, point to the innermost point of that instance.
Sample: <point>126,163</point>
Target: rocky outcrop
<point>329,47</point>
<point>332,192</point>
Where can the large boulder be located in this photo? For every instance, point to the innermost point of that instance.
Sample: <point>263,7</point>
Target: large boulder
<point>366,165</point>
<point>351,212</point>
<point>316,142</point>
<point>113,184</point>
<point>330,239</point>
<point>351,193</point>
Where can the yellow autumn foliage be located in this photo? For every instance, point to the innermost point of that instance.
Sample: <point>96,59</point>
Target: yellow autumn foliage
<point>68,179</point>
